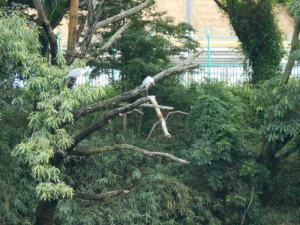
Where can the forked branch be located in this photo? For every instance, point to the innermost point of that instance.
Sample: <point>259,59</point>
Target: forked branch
<point>167,117</point>
<point>124,14</point>
<point>163,123</point>
<point>114,101</point>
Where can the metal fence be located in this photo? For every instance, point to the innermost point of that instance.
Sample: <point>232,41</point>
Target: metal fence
<point>229,73</point>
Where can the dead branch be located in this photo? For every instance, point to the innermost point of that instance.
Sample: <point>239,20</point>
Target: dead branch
<point>103,121</point>
<point>164,127</point>
<point>114,101</point>
<point>158,122</point>
<point>130,148</point>
<point>92,18</point>
<point>162,107</point>
<point>101,197</point>
<point>248,207</point>
<point>114,38</point>
<point>93,24</point>
<point>124,14</point>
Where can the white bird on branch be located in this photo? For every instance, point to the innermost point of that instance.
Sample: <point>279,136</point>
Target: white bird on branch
<point>147,82</point>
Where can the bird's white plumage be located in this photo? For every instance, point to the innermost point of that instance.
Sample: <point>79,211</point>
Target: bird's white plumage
<point>79,72</point>
<point>147,82</point>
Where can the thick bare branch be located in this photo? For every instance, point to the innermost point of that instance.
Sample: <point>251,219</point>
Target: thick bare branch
<point>162,107</point>
<point>44,22</point>
<point>114,101</point>
<point>114,38</point>
<point>163,123</point>
<point>158,122</point>
<point>103,196</point>
<point>130,148</point>
<point>105,118</point>
<point>124,14</point>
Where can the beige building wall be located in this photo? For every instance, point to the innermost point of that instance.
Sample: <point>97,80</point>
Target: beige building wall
<point>206,15</point>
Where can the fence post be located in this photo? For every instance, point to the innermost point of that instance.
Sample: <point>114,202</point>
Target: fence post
<point>59,38</point>
<point>208,52</point>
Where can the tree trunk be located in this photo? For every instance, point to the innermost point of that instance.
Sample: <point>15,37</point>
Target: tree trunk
<point>71,46</point>
<point>291,60</point>
<point>45,213</point>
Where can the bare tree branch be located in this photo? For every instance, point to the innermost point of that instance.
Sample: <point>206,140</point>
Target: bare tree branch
<point>114,38</point>
<point>103,196</point>
<point>162,107</point>
<point>160,116</point>
<point>44,22</point>
<point>105,118</point>
<point>124,14</point>
<point>158,122</point>
<point>92,18</point>
<point>248,207</point>
<point>114,101</point>
<point>130,148</point>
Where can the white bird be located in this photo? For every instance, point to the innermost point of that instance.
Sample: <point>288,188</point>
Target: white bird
<point>147,82</point>
<point>79,75</point>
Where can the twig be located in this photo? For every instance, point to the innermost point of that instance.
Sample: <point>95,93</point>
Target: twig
<point>157,123</point>
<point>248,207</point>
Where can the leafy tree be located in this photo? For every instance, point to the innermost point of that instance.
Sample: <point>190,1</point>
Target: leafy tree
<point>55,124</point>
<point>257,30</point>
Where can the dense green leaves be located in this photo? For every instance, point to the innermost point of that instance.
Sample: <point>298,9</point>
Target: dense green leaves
<point>243,142</point>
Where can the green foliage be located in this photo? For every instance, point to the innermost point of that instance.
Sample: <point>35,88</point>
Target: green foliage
<point>147,46</point>
<point>242,141</point>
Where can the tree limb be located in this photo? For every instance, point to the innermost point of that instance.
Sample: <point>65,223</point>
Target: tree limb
<point>160,116</point>
<point>44,22</point>
<point>248,207</point>
<point>130,148</point>
<point>105,118</point>
<point>114,38</point>
<point>162,107</point>
<point>114,101</point>
<point>124,14</point>
<point>158,122</point>
<point>92,18</point>
<point>103,196</point>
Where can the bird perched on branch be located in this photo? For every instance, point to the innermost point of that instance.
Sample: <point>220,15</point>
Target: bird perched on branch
<point>147,82</point>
